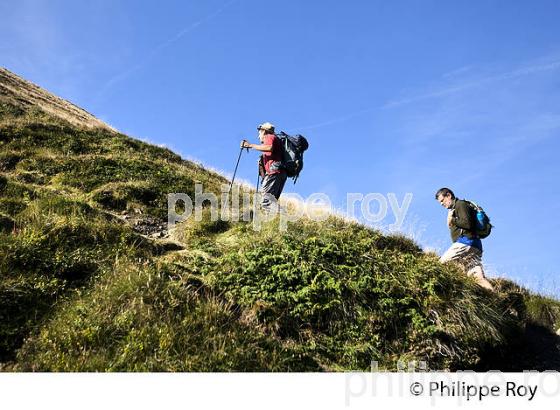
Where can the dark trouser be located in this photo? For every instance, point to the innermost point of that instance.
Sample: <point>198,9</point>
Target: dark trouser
<point>272,185</point>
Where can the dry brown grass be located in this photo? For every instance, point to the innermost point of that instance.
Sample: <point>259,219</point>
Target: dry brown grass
<point>25,93</point>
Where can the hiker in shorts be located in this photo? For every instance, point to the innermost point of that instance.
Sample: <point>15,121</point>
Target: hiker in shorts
<point>466,249</point>
<point>270,165</point>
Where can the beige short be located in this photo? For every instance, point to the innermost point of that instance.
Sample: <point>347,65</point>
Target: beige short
<point>467,256</point>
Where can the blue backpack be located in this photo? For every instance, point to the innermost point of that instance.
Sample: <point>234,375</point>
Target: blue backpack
<point>482,221</point>
<point>293,148</point>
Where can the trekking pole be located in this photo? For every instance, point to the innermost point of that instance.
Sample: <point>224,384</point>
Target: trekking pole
<point>258,180</point>
<point>235,171</point>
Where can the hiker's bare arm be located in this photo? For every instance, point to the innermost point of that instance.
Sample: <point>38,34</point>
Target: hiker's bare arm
<point>450,217</point>
<point>262,147</point>
<point>258,147</point>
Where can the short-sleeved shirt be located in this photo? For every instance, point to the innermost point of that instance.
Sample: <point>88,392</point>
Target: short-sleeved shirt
<point>273,160</point>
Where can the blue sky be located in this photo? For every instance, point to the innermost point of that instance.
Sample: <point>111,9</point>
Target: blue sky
<point>394,96</point>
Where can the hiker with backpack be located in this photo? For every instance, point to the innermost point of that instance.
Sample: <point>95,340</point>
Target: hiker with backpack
<point>270,164</point>
<point>467,224</point>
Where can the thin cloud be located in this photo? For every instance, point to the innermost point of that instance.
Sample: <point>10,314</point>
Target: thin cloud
<point>520,72</point>
<point>443,92</point>
<point>156,50</point>
<point>536,131</point>
<point>336,120</point>
<point>458,72</point>
<point>508,117</point>
<point>30,39</point>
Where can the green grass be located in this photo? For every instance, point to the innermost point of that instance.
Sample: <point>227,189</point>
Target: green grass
<point>142,318</point>
<point>543,311</point>
<point>81,291</point>
<point>348,295</point>
<point>57,245</point>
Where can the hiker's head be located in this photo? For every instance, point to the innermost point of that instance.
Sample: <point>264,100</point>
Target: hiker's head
<point>445,197</point>
<point>265,128</point>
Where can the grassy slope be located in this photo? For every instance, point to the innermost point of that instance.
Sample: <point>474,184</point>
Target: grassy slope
<point>81,291</point>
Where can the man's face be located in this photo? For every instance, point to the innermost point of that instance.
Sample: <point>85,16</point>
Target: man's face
<point>261,135</point>
<point>445,200</point>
